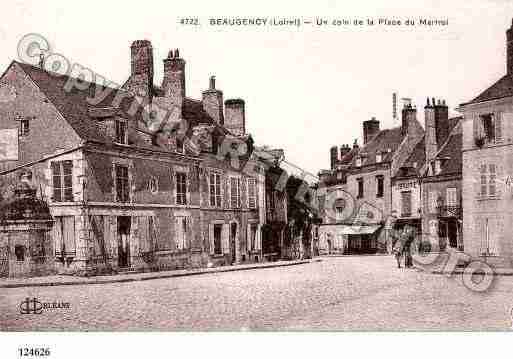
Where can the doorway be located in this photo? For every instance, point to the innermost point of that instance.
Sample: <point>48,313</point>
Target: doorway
<point>124,241</point>
<point>233,241</point>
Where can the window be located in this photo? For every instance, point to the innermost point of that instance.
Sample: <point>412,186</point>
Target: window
<point>62,181</point>
<point>181,188</point>
<point>252,236</point>
<point>406,204</point>
<point>121,132</point>
<point>181,231</point>
<point>24,127</point>
<point>218,229</point>
<point>360,188</point>
<point>380,186</point>
<point>215,190</point>
<point>235,192</point>
<point>153,185</point>
<point>488,174</point>
<point>433,199</point>
<point>19,252</point>
<point>358,162</point>
<point>179,144</point>
<point>251,193</point>
<point>122,184</point>
<point>489,128</point>
<point>378,157</point>
<point>451,197</point>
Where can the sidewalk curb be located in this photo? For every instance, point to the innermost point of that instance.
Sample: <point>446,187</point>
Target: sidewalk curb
<point>156,276</point>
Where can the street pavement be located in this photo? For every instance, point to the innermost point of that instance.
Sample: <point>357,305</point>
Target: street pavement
<point>339,293</point>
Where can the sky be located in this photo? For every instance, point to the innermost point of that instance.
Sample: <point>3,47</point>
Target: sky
<point>306,89</point>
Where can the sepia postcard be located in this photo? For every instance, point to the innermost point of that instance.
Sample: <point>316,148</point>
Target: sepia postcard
<point>273,167</point>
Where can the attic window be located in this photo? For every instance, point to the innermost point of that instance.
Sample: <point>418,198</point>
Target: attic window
<point>24,127</point>
<point>121,132</point>
<point>379,157</point>
<point>358,162</point>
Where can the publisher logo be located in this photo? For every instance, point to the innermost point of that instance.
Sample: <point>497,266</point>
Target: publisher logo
<point>34,306</point>
<point>31,306</point>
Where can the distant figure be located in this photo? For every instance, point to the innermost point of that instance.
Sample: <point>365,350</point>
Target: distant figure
<point>397,250</point>
<point>407,239</point>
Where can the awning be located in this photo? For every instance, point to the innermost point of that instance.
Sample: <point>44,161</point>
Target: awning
<point>355,229</point>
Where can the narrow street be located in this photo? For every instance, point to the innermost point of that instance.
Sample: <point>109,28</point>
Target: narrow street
<point>339,293</point>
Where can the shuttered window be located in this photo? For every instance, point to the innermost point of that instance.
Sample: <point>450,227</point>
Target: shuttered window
<point>181,188</point>
<point>181,231</point>
<point>252,193</point>
<point>451,196</point>
<point>433,198</point>
<point>122,184</point>
<point>215,189</point>
<point>235,201</point>
<point>62,181</point>
<point>218,232</point>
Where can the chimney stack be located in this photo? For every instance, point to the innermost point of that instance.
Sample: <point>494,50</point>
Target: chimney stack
<point>333,157</point>
<point>212,100</point>
<point>173,83</point>
<point>370,129</point>
<point>409,116</point>
<point>436,123</point>
<point>235,116</point>
<point>509,50</point>
<point>141,77</point>
<point>344,150</point>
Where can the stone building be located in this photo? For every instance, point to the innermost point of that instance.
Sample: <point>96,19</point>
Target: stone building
<point>138,177</point>
<point>360,199</point>
<point>426,191</point>
<point>487,146</point>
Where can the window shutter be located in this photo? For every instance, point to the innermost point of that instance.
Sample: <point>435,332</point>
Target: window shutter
<point>178,233</point>
<point>258,238</point>
<point>189,235</point>
<point>498,127</point>
<point>225,238</point>
<point>211,237</point>
<point>248,237</point>
<point>480,230</point>
<point>57,235</point>
<point>69,234</point>
<point>144,234</point>
<point>494,234</point>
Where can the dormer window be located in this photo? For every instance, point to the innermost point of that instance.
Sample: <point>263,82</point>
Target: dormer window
<point>379,157</point>
<point>488,129</point>
<point>358,162</point>
<point>24,127</point>
<point>438,167</point>
<point>121,132</point>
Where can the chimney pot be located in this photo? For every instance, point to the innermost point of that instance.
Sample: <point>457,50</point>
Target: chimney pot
<point>212,85</point>
<point>177,54</point>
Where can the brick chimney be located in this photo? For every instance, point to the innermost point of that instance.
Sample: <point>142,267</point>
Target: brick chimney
<point>173,83</point>
<point>212,100</point>
<point>141,76</point>
<point>234,116</point>
<point>370,129</point>
<point>344,150</point>
<point>509,50</point>
<point>436,124</point>
<point>409,116</point>
<point>333,157</point>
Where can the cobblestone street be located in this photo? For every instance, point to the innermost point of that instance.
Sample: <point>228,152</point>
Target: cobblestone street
<point>339,293</point>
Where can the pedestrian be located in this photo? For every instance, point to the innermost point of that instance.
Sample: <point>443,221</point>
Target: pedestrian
<point>397,250</point>
<point>407,247</point>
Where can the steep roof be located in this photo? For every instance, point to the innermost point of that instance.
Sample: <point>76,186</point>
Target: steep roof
<point>451,153</point>
<point>500,89</point>
<point>386,142</point>
<point>77,105</point>
<point>414,163</point>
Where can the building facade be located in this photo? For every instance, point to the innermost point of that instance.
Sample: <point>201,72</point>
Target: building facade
<point>360,201</point>
<point>128,188</point>
<point>487,169</point>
